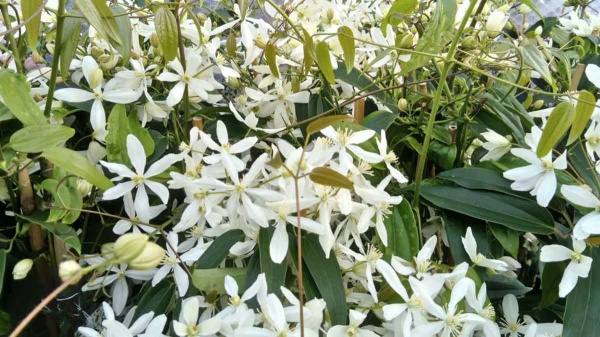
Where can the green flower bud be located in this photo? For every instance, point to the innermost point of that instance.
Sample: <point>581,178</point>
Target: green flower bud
<point>150,257</point>
<point>129,246</point>
<point>402,104</point>
<point>22,268</point>
<point>96,77</point>
<point>68,270</point>
<point>538,104</point>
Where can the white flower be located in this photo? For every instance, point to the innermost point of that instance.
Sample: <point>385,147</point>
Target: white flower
<point>537,177</point>
<point>112,327</point>
<point>496,145</point>
<point>495,23</point>
<point>477,258</point>
<point>356,319</point>
<point>190,325</point>
<point>276,319</point>
<point>122,226</point>
<point>186,78</point>
<point>589,224</point>
<point>140,179</point>
<point>511,323</point>
<point>592,135</point>
<point>93,75</point>
<point>345,140</point>
<point>389,158</point>
<point>279,103</point>
<point>579,265</point>
<point>251,121</point>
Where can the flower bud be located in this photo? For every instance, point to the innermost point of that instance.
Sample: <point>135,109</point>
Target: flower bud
<point>108,250</point>
<point>538,104</point>
<point>525,25</point>
<point>231,45</point>
<point>84,187</point>
<point>129,246</point>
<point>154,40</point>
<point>97,52</point>
<point>37,58</point>
<point>504,8</point>
<point>22,268</point>
<point>469,42</point>
<point>68,270</point>
<point>149,258</point>
<point>108,62</point>
<point>402,104</point>
<point>134,55</point>
<point>233,82</point>
<point>495,23</point>
<point>524,9</point>
<point>407,41</point>
<point>50,48</point>
<point>96,78</point>
<point>538,31</point>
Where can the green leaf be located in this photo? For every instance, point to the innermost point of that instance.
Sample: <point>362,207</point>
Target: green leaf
<point>551,277</point>
<point>29,8</point>
<point>476,178</point>
<point>274,272</point>
<point>77,165</point>
<point>65,233</point>
<point>322,123</point>
<point>37,138</point>
<point>534,58</point>
<point>141,133</point>
<point>583,111</point>
<point>166,29</point>
<point>404,7</point>
<point>348,44</point>
<point>500,285</point>
<point>516,213</point>
<point>328,276</point>
<point>328,177</point>
<point>16,94</point>
<point>584,167</point>
<point>116,139</point>
<point>156,299</point>
<point>437,34</point>
<point>379,120</point>
<point>403,240</point>
<point>219,249</point>
<point>271,56</point>
<point>70,40</point>
<point>508,238</point>
<point>5,323</point>
<point>124,25</point>
<point>308,48</point>
<point>583,307</point>
<point>208,280</point>
<point>100,16</point>
<point>324,61</point>
<point>558,123</point>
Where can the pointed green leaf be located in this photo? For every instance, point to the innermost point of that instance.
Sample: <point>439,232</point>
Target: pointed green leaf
<point>100,16</point>
<point>308,48</point>
<point>37,138</point>
<point>155,299</point>
<point>219,249</point>
<point>324,61</point>
<point>141,133</point>
<point>324,122</point>
<point>16,94</point>
<point>77,165</point>
<point>2,268</point>
<point>166,29</point>
<point>400,7</point>
<point>70,40</point>
<point>534,58</point>
<point>583,111</point>
<point>516,213</point>
<point>116,139</point>
<point>124,25</point>
<point>271,56</point>
<point>508,238</point>
<point>558,123</point>
<point>328,177</point>
<point>551,277</point>
<point>403,240</point>
<point>29,8</point>
<point>348,44</point>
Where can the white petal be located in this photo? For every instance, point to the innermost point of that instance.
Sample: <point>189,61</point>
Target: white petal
<point>592,72</point>
<point>470,244</point>
<point>579,196</point>
<point>510,306</point>
<point>545,189</point>
<point>136,153</point>
<point>243,145</point>
<point>391,277</point>
<point>176,94</point>
<point>142,205</point>
<point>190,311</point>
<point>278,246</point>
<point>553,253</point>
<point>73,95</point>
<point>119,294</point>
<point>181,279</point>
<point>122,96</point>
<point>159,189</point>
<point>118,190</point>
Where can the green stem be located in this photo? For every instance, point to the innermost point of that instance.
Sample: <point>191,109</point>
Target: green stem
<point>436,104</point>
<point>187,117</point>
<point>11,38</point>
<point>60,20</point>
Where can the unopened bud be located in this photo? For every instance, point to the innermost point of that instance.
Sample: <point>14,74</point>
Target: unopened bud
<point>407,41</point>
<point>402,104</point>
<point>201,16</point>
<point>538,31</point>
<point>330,14</point>
<point>504,8</point>
<point>129,246</point>
<point>525,25</point>
<point>96,78</point>
<point>154,40</point>
<point>37,58</point>
<point>68,270</point>
<point>134,55</point>
<point>108,250</point>
<point>538,104</point>
<point>233,82</point>
<point>524,9</point>
<point>108,62</point>
<point>50,48</point>
<point>150,257</point>
<point>22,268</point>
<point>231,45</point>
<point>97,52</point>
<point>84,187</point>
<point>469,42</point>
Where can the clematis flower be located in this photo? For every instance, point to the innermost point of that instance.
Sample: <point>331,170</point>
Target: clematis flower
<point>579,265</point>
<point>122,226</point>
<point>345,140</point>
<point>496,145</point>
<point>185,78</point>
<point>389,158</point>
<point>191,325</point>
<point>511,324</point>
<point>251,121</point>
<point>592,135</point>
<point>140,179</point>
<point>537,177</point>
<point>110,93</point>
<point>356,319</point>
<point>589,224</point>
<point>478,259</point>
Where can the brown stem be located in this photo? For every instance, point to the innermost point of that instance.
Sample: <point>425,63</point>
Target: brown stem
<point>359,111</point>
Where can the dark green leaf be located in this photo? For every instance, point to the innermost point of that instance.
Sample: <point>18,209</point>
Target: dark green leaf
<point>476,178</point>
<point>77,165</point>
<point>16,94</point>
<point>2,268</point>
<point>379,120</point>
<point>326,273</point>
<point>65,233</point>
<point>499,286</point>
<point>551,277</point>
<point>516,213</point>
<point>141,133</point>
<point>274,272</point>
<point>116,139</point>
<point>70,40</point>
<point>508,238</point>
<point>403,240</point>
<point>219,249</point>
<point>585,169</point>
<point>156,299</point>
<point>456,227</point>
<point>37,138</point>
